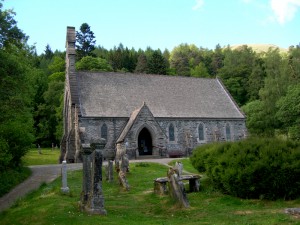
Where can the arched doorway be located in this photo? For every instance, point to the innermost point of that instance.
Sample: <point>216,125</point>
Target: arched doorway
<point>145,142</point>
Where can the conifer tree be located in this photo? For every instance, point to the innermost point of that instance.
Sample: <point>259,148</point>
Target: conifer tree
<point>86,43</point>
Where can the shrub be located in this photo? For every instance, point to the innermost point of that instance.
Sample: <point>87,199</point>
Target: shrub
<point>12,177</point>
<point>252,168</point>
<point>200,155</point>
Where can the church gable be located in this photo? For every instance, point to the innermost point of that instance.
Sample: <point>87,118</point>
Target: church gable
<point>140,129</point>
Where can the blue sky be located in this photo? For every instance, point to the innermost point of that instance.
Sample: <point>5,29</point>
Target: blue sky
<point>160,23</point>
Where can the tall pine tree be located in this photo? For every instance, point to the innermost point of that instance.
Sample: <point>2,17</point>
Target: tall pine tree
<point>86,43</point>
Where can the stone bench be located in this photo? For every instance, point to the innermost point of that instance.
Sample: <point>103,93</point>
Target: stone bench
<point>160,184</point>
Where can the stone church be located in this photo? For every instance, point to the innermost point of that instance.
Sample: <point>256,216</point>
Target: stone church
<point>143,114</point>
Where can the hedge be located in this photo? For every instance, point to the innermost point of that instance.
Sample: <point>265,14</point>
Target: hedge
<point>252,168</point>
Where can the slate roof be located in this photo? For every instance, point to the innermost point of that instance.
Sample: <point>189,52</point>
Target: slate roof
<point>119,94</point>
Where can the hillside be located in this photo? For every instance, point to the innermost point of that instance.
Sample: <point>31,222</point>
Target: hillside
<point>261,47</point>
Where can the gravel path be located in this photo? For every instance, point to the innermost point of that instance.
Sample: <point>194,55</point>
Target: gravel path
<point>46,174</point>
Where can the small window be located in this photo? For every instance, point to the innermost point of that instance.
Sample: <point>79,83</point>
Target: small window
<point>104,131</point>
<point>201,132</point>
<point>171,133</point>
<point>228,133</point>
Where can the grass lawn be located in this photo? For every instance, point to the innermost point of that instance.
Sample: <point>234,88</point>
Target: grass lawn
<point>48,156</point>
<point>141,206</point>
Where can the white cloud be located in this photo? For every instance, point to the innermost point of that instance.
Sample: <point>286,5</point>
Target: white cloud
<point>285,10</point>
<point>198,5</point>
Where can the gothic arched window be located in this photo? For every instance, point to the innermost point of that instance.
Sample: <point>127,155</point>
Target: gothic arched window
<point>171,133</point>
<point>104,131</point>
<point>201,132</point>
<point>228,132</point>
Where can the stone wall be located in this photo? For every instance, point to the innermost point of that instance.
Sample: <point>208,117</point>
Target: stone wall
<point>92,131</point>
<point>187,136</point>
<point>186,133</point>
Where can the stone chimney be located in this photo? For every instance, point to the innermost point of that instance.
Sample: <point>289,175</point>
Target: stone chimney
<point>71,79</point>
<point>70,50</point>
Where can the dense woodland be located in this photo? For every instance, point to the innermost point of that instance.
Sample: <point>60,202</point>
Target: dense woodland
<point>264,84</point>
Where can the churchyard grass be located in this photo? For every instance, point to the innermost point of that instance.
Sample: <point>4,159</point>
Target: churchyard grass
<point>47,156</point>
<point>187,166</point>
<point>140,205</point>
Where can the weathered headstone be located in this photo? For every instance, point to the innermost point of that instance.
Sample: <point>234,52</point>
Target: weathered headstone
<point>86,176</point>
<point>95,204</point>
<point>92,199</point>
<point>125,163</point>
<point>123,169</point>
<point>176,188</point>
<point>64,188</point>
<point>39,149</point>
<point>109,171</point>
<point>179,167</point>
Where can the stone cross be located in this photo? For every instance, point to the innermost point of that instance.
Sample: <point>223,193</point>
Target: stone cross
<point>64,188</point>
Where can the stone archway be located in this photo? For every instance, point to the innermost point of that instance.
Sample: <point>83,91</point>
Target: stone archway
<point>145,144</point>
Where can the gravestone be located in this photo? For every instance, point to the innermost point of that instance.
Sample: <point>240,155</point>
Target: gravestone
<point>64,188</point>
<point>123,169</point>
<point>92,200</point>
<point>109,171</point>
<point>179,167</point>
<point>176,188</point>
<point>86,151</point>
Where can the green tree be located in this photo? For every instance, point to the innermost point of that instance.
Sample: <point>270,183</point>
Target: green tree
<point>57,64</point>
<point>86,43</point>
<point>258,120</point>
<point>200,71</point>
<point>275,86</point>
<point>10,34</point>
<point>50,121</point>
<point>294,63</point>
<point>157,63</point>
<point>183,57</point>
<point>217,60</point>
<point>123,59</point>
<point>142,64</point>
<point>16,123</point>
<point>289,111</point>
<point>101,52</point>
<point>93,64</point>
<point>255,80</point>
<point>48,52</point>
<point>235,73</point>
